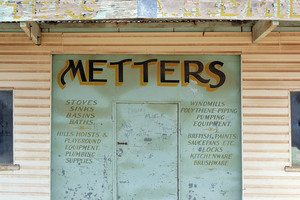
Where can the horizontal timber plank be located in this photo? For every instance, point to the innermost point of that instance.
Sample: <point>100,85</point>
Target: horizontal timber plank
<point>28,172</point>
<point>31,101</point>
<point>255,141</point>
<point>272,186</point>
<point>149,49</point>
<point>32,154</point>
<point>270,75</point>
<point>251,149</point>
<point>23,180</point>
<point>268,155</point>
<point>267,137</point>
<point>151,41</point>
<point>32,106</point>
<point>270,66</point>
<point>266,159</point>
<point>274,192</point>
<point>32,129</point>
<point>19,94</point>
<point>33,150</point>
<point>265,123</point>
<point>16,196</point>
<point>244,35</point>
<point>276,83</point>
<point>26,85</point>
<point>266,147</point>
<point>33,167</point>
<point>282,111</point>
<point>32,141</point>
<point>32,136</point>
<point>266,164</point>
<point>24,189</point>
<point>29,145</point>
<point>265,94</point>
<point>25,76</point>
<point>33,162</point>
<point>25,185</point>
<point>272,173</point>
<point>25,193</point>
<point>256,132</point>
<point>24,58</point>
<point>257,168</point>
<point>32,158</point>
<point>268,197</point>
<point>25,68</point>
<point>31,123</point>
<point>271,177</point>
<point>38,110</point>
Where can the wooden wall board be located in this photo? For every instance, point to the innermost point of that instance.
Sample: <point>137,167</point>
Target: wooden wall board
<point>269,70</point>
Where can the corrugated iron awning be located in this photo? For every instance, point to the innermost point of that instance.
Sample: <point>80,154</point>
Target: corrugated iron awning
<point>259,28</point>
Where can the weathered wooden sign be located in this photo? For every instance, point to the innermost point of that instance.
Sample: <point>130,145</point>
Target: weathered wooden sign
<point>20,10</point>
<point>146,127</point>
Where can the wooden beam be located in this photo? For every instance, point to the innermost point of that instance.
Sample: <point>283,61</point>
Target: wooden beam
<point>32,30</point>
<point>123,26</point>
<point>9,167</point>
<point>292,168</point>
<point>262,28</point>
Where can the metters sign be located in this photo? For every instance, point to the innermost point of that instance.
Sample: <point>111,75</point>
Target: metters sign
<point>88,73</point>
<point>146,127</point>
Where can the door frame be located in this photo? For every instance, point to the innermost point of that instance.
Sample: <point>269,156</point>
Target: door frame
<point>114,156</point>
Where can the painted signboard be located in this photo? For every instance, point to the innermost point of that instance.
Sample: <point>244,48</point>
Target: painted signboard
<point>44,10</point>
<point>146,127</point>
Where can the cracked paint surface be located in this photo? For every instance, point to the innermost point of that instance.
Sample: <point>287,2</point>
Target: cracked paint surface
<point>146,138</point>
<point>21,10</point>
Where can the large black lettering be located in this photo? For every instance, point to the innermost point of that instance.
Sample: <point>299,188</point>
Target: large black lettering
<point>196,74</point>
<point>145,65</point>
<point>164,71</point>
<point>74,70</point>
<point>218,75</point>
<point>119,70</point>
<point>92,70</point>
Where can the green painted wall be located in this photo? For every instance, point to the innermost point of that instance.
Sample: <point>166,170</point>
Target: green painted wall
<point>138,121</point>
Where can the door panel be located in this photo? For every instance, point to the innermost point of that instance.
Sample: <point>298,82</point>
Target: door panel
<point>147,151</point>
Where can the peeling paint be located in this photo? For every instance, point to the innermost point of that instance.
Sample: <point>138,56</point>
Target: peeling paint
<point>161,152</point>
<point>30,10</point>
<point>147,8</point>
<point>147,139</point>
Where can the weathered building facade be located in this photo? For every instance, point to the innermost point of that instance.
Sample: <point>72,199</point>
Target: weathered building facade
<point>107,84</point>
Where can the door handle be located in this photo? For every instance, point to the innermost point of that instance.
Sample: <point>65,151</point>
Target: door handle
<point>122,143</point>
